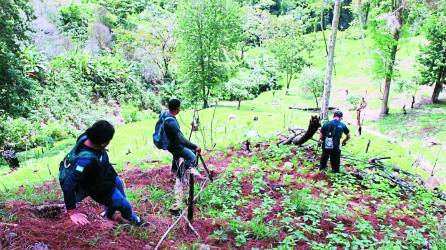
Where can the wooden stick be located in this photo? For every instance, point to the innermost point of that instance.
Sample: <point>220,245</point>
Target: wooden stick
<point>192,227</point>
<point>367,148</point>
<point>190,205</point>
<point>179,218</point>
<point>169,229</point>
<point>436,160</point>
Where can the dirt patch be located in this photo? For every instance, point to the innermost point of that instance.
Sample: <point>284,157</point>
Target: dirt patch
<point>158,177</point>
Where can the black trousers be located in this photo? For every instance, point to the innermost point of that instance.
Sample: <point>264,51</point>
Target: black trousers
<point>335,159</point>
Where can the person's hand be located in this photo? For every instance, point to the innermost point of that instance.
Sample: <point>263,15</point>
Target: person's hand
<point>198,150</point>
<point>79,219</point>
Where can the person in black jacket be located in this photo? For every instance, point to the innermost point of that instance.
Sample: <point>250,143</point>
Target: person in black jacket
<point>179,147</point>
<point>94,176</point>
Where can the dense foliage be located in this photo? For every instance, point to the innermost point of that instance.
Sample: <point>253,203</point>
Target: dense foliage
<point>16,85</point>
<point>433,57</point>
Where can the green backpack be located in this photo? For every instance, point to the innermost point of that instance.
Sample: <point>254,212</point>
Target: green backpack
<point>67,165</point>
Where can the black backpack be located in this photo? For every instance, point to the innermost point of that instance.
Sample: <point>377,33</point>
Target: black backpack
<point>67,165</point>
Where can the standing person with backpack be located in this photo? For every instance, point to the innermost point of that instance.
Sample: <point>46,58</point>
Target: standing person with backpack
<point>168,136</point>
<point>331,133</point>
<point>86,171</point>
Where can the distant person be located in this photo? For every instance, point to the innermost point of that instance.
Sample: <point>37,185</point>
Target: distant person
<point>331,133</point>
<point>86,171</point>
<point>178,146</point>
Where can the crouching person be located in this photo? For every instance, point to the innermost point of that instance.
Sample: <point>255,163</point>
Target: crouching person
<point>86,171</point>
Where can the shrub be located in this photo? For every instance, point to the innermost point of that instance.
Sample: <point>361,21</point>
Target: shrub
<point>312,82</point>
<point>73,20</point>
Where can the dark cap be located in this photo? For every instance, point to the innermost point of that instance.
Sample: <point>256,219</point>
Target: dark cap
<point>338,113</point>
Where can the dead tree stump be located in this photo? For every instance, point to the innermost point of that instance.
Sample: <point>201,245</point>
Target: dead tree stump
<point>10,156</point>
<point>296,139</point>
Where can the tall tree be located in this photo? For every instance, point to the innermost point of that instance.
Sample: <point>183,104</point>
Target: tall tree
<point>15,86</point>
<point>208,31</point>
<point>432,60</point>
<point>329,69</point>
<point>386,32</point>
<point>291,48</point>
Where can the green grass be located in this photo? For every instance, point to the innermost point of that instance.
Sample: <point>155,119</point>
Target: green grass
<point>133,144</point>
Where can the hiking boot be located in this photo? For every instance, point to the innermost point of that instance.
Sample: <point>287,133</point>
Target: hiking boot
<point>197,174</point>
<point>104,215</point>
<point>140,223</point>
<point>175,211</point>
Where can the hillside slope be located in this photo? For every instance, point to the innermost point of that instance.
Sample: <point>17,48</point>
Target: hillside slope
<point>269,198</point>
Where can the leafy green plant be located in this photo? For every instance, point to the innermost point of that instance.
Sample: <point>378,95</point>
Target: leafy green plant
<point>287,179</point>
<point>339,237</point>
<point>219,235</point>
<point>93,241</point>
<point>415,238</point>
<point>266,206</point>
<point>239,229</point>
<point>260,230</point>
<point>298,201</point>
<point>274,177</point>
<point>365,228</point>
<point>258,184</point>
<point>219,201</point>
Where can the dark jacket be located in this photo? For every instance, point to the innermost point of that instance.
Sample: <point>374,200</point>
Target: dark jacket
<point>336,127</point>
<point>176,137</point>
<point>96,179</point>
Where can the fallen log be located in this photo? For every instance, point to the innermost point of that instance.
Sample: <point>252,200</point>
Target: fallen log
<point>296,139</point>
<point>311,109</point>
<point>48,211</point>
<point>392,174</point>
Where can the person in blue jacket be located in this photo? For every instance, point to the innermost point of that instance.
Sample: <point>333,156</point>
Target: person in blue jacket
<point>331,134</point>
<point>89,173</point>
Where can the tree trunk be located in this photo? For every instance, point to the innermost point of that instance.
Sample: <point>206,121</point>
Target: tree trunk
<point>437,90</point>
<point>239,103</point>
<point>205,98</point>
<point>439,86</point>
<point>412,105</point>
<point>390,68</point>
<point>331,50</point>
<point>385,103</point>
